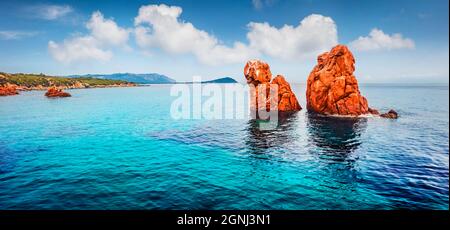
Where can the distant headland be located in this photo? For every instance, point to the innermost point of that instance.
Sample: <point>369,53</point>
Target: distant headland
<point>144,78</point>
<point>149,78</point>
<point>10,83</point>
<point>223,80</point>
<point>24,82</point>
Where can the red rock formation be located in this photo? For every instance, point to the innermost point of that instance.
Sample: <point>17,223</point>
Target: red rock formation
<point>55,92</point>
<point>286,98</point>
<point>258,73</point>
<point>8,90</point>
<point>332,88</point>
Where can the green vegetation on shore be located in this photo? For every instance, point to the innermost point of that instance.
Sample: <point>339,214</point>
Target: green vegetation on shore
<point>35,80</point>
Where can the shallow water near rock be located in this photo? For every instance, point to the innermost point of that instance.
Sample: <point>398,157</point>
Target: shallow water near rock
<point>119,148</point>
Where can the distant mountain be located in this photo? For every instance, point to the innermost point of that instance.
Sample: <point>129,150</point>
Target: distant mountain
<point>221,80</point>
<point>146,78</point>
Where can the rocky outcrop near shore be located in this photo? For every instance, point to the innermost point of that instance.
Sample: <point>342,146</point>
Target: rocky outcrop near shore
<point>258,73</point>
<point>8,90</point>
<point>55,92</point>
<point>332,89</point>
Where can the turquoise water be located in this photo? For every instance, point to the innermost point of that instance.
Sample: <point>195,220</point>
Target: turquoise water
<point>118,148</point>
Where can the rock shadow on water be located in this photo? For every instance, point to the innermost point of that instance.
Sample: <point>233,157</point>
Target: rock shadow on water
<point>259,141</point>
<point>335,137</point>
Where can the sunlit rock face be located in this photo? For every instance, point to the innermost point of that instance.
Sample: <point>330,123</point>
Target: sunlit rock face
<point>55,92</point>
<point>332,88</point>
<point>286,98</point>
<point>258,73</point>
<point>8,90</point>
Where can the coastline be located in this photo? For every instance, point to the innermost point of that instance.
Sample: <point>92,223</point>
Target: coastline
<point>43,88</point>
<point>41,82</point>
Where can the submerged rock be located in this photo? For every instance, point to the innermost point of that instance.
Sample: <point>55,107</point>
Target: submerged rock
<point>55,92</point>
<point>332,88</point>
<point>257,73</point>
<point>8,90</point>
<point>374,111</point>
<point>392,114</point>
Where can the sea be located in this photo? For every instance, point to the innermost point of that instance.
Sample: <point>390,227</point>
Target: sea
<point>120,148</point>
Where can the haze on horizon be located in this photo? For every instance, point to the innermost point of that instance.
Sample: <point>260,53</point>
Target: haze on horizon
<point>403,41</point>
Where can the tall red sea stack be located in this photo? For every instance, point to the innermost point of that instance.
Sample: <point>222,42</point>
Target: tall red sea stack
<point>55,92</point>
<point>258,72</point>
<point>332,88</point>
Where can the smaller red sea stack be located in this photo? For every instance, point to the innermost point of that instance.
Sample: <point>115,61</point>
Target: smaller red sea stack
<point>8,90</point>
<point>55,92</point>
<point>257,73</point>
<point>286,98</point>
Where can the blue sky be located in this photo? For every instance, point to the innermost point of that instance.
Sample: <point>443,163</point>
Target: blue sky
<point>393,41</point>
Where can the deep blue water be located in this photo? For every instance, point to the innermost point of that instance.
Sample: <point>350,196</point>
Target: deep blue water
<point>118,148</point>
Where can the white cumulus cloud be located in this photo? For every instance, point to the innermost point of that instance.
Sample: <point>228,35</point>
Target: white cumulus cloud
<point>314,34</point>
<point>77,49</point>
<point>106,30</point>
<point>159,26</point>
<point>104,34</point>
<point>378,40</point>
